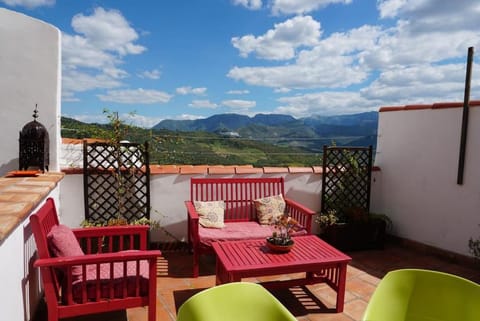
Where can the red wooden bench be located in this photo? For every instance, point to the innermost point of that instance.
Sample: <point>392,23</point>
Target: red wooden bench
<point>239,195</point>
<point>96,280</point>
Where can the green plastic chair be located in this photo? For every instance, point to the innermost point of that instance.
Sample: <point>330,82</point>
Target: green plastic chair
<point>237,301</point>
<point>423,295</point>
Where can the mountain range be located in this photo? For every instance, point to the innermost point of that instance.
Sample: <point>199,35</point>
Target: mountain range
<point>310,133</point>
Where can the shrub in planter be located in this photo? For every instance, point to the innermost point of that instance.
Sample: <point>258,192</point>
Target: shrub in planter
<point>355,231</point>
<point>474,247</point>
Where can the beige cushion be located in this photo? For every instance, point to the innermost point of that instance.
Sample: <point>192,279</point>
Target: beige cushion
<point>210,213</point>
<point>269,208</point>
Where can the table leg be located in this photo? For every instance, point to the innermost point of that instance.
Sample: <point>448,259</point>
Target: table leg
<point>341,287</point>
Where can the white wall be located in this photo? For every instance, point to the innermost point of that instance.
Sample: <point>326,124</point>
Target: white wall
<point>418,156</point>
<point>168,193</point>
<point>30,74</point>
<point>20,287</point>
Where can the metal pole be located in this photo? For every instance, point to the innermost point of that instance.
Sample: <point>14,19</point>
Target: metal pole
<point>466,102</point>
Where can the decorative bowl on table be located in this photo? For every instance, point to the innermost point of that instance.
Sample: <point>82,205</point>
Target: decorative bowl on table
<point>279,246</point>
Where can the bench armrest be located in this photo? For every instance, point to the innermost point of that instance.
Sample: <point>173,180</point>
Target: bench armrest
<point>301,213</point>
<point>193,237</point>
<point>192,212</point>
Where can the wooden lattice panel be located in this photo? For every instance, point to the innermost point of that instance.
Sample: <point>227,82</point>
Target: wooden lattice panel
<point>116,181</point>
<point>346,179</point>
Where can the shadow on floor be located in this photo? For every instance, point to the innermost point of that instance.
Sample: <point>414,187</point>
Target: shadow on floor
<point>121,315</point>
<point>298,300</point>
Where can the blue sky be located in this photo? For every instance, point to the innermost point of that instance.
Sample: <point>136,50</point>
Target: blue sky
<point>187,59</point>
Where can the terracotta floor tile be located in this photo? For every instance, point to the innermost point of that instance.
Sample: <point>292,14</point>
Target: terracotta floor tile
<point>329,317</point>
<point>168,301</point>
<point>162,315</point>
<point>355,309</point>
<point>353,271</point>
<point>369,278</point>
<point>168,283</point>
<point>203,282</point>
<point>360,288</point>
<point>325,294</point>
<point>137,314</point>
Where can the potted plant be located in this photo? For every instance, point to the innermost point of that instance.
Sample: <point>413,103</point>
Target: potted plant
<point>474,247</point>
<point>281,239</point>
<point>360,231</point>
<point>116,178</point>
<point>345,220</point>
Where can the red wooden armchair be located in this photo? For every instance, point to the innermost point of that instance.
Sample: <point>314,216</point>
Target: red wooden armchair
<point>100,280</point>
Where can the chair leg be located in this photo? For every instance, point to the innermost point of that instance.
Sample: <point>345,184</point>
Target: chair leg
<point>52,314</point>
<point>52,309</point>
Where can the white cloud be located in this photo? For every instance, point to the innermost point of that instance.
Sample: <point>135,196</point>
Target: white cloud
<point>108,30</point>
<point>333,63</point>
<point>79,52</point>
<point>89,118</point>
<point>187,117</point>
<point>78,81</point>
<point>69,97</point>
<point>135,96</point>
<point>418,84</point>
<point>401,46</point>
<point>390,8</point>
<point>115,73</point>
<point>325,103</point>
<point>281,42</point>
<point>140,120</point>
<point>238,103</point>
<point>249,4</point>
<point>150,74</point>
<point>187,90</point>
<point>30,4</point>
<point>411,62</point>
<point>397,86</point>
<point>238,92</point>
<point>202,104</point>
<point>130,119</point>
<point>282,90</point>
<point>433,15</point>
<point>301,6</point>
<point>92,56</point>
<point>302,76</point>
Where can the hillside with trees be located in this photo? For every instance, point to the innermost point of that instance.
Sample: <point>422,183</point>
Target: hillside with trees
<point>231,139</point>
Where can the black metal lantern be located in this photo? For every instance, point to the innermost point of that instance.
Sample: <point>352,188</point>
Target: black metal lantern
<point>34,145</point>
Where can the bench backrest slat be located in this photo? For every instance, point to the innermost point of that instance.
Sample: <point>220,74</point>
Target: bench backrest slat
<point>237,193</point>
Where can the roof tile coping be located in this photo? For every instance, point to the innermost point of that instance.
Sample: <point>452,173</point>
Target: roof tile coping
<point>220,170</point>
<point>441,105</point>
<point>76,141</point>
<point>20,195</point>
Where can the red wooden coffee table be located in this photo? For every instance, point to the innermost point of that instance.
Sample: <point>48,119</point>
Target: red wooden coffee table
<point>251,258</point>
